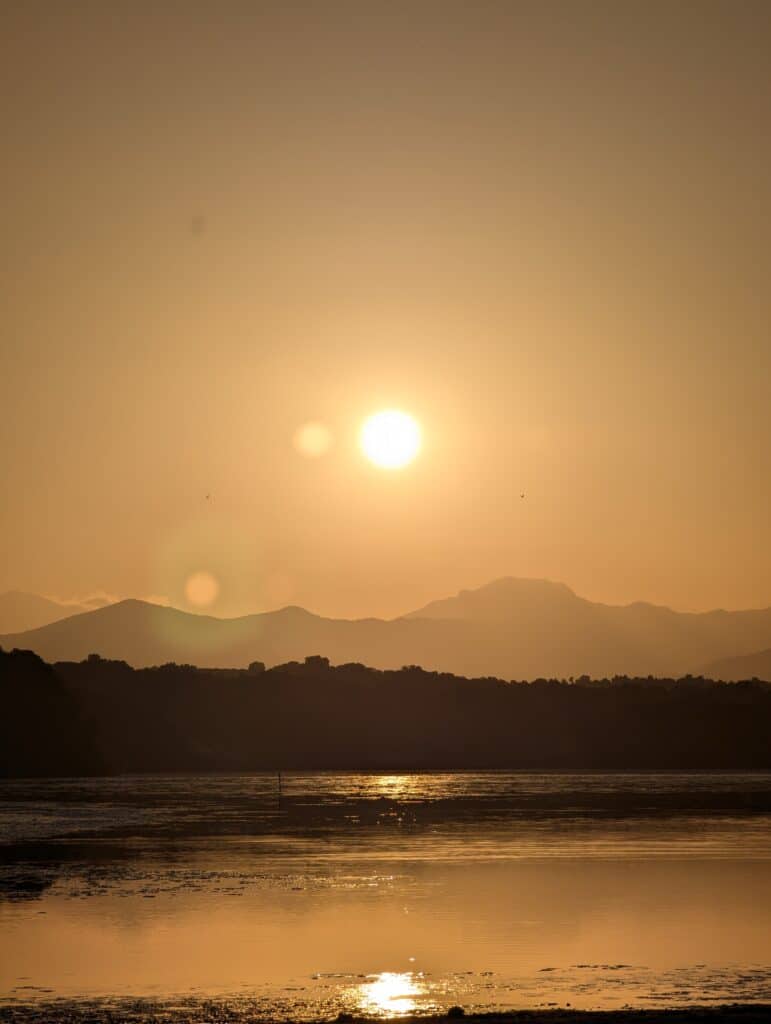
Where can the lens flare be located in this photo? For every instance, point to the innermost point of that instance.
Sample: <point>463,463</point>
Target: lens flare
<point>313,440</point>
<point>201,589</point>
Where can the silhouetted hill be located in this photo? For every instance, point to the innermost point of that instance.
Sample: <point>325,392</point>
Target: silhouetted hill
<point>73,717</point>
<point>20,611</point>
<point>42,727</point>
<point>747,666</point>
<point>511,628</point>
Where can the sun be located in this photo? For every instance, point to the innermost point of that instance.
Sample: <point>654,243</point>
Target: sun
<point>390,438</point>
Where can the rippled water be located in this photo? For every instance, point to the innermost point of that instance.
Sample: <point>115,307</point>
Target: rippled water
<point>388,893</point>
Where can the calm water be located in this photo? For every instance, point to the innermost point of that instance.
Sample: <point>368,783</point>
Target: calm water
<point>388,894</point>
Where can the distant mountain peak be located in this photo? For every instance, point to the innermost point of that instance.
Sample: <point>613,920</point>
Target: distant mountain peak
<point>524,584</point>
<point>499,599</point>
<point>293,609</point>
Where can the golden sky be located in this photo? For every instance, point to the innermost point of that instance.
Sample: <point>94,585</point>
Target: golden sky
<point>542,229</point>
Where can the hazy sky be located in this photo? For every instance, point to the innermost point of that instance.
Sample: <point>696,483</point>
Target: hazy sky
<point>541,228</point>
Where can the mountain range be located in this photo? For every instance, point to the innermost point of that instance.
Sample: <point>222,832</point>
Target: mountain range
<point>744,666</point>
<point>511,628</point>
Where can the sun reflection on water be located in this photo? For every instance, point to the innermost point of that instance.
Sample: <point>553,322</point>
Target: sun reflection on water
<point>393,786</point>
<point>389,994</point>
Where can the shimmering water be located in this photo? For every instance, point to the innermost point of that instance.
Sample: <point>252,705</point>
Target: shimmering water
<point>388,894</point>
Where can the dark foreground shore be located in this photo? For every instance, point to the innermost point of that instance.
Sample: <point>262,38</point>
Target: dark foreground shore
<point>142,1011</point>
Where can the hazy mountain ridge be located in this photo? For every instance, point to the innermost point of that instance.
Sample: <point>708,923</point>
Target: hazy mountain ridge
<point>745,666</point>
<point>511,628</point>
<point>20,611</point>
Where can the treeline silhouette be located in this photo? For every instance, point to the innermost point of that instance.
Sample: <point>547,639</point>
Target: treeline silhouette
<point>99,716</point>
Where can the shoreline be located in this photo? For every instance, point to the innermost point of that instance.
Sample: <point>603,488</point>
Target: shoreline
<point>127,1010</point>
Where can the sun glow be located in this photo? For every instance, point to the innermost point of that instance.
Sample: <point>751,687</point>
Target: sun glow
<point>390,438</point>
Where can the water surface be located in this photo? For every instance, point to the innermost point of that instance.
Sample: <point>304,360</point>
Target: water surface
<point>388,893</point>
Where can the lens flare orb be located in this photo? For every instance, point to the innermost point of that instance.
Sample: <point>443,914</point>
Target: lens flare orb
<point>201,589</point>
<point>313,440</point>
